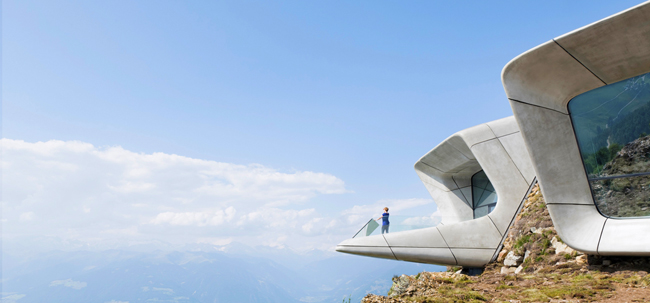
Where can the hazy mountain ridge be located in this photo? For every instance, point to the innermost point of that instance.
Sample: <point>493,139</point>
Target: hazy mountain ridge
<point>243,275</point>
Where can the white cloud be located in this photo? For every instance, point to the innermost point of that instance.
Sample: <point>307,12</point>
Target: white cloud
<point>69,194</point>
<point>69,283</point>
<point>73,195</point>
<point>12,298</point>
<point>393,205</point>
<point>204,218</point>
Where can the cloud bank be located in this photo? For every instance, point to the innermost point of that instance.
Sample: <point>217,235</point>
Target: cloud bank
<point>73,195</point>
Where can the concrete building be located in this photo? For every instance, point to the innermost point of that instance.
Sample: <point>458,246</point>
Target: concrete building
<point>478,177</point>
<point>581,128</point>
<point>579,99</point>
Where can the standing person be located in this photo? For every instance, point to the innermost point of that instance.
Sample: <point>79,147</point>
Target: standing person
<point>385,224</point>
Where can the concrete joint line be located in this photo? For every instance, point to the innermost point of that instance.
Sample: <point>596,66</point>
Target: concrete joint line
<point>495,226</point>
<point>429,165</point>
<point>510,134</point>
<point>420,246</point>
<point>451,251</point>
<point>521,206</point>
<point>574,58</point>
<point>601,236</point>
<point>495,134</point>
<point>572,204</point>
<point>535,105</point>
<point>460,152</point>
<point>484,141</point>
<point>513,161</point>
<point>462,194</point>
<point>391,250</point>
<point>476,248</point>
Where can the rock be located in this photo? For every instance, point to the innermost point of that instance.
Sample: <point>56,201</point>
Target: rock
<point>502,255</point>
<point>582,259</point>
<point>519,269</point>
<point>526,255</point>
<point>607,262</point>
<point>512,259</point>
<point>400,285</point>
<point>541,230</point>
<point>561,248</point>
<point>507,270</point>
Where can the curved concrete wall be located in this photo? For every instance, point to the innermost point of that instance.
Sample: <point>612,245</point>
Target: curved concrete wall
<point>539,85</point>
<point>498,149</point>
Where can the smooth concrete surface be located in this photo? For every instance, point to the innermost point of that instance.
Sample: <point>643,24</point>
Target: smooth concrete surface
<point>539,84</point>
<point>459,144</point>
<point>555,155</point>
<point>426,237</point>
<point>375,252</point>
<point>472,257</point>
<point>512,144</point>
<point>440,256</point>
<point>579,226</point>
<point>446,172</point>
<point>611,48</point>
<point>531,79</point>
<point>446,158</point>
<point>477,233</point>
<point>511,184</point>
<point>503,127</point>
<point>474,135</point>
<point>625,237</point>
<point>457,206</point>
<point>434,176</point>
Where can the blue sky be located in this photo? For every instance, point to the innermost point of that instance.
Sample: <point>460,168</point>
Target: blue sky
<point>354,90</point>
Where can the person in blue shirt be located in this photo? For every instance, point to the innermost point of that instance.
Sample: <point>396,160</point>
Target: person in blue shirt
<point>385,224</point>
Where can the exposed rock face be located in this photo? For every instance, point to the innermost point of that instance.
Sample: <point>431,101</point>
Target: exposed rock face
<point>548,271</point>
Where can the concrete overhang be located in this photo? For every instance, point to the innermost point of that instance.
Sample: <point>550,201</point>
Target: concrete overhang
<point>539,84</point>
<point>498,149</point>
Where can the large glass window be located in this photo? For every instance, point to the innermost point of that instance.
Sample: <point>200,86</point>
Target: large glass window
<point>612,124</point>
<point>484,198</point>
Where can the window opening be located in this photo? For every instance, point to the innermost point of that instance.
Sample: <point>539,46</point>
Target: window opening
<point>484,197</point>
<point>612,126</point>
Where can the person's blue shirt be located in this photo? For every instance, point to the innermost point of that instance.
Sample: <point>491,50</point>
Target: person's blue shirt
<point>384,219</point>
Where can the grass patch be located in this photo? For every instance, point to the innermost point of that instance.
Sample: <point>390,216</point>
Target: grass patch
<point>532,295</point>
<point>568,292</point>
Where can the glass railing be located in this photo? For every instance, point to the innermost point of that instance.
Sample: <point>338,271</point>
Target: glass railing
<point>397,223</point>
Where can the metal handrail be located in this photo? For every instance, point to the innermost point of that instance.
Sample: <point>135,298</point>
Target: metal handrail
<point>364,226</point>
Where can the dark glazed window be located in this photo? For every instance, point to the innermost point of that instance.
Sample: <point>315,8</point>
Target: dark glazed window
<point>612,124</point>
<point>484,198</point>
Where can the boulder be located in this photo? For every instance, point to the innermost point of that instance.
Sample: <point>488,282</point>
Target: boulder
<point>561,248</point>
<point>507,270</point>
<point>512,259</point>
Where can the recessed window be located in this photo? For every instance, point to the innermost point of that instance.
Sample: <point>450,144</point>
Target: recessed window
<point>612,125</point>
<point>484,197</point>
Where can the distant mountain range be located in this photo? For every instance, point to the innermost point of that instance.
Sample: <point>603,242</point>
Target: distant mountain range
<point>237,274</point>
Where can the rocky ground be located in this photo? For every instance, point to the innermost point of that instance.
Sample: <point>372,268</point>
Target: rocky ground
<point>534,266</point>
